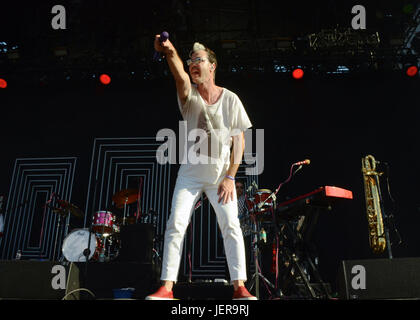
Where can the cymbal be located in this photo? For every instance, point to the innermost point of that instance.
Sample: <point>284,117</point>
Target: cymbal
<point>126,196</point>
<point>65,205</point>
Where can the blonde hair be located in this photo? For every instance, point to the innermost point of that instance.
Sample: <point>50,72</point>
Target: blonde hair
<point>197,46</point>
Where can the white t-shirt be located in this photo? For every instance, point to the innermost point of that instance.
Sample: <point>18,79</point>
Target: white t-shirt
<point>220,121</point>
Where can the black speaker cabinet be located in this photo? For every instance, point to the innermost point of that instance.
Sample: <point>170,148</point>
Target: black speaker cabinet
<point>102,278</point>
<point>379,279</point>
<point>32,280</point>
<point>136,243</point>
<point>45,280</point>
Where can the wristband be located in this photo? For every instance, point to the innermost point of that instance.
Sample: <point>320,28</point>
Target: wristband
<point>230,177</point>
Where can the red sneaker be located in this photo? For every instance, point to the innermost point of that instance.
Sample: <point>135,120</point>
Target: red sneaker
<point>161,294</point>
<point>242,294</point>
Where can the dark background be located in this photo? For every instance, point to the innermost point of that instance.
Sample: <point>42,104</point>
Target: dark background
<point>54,107</point>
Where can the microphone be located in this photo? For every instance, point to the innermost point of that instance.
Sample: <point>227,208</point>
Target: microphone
<point>255,185</point>
<point>249,188</point>
<point>163,37</point>
<point>252,185</point>
<point>306,161</point>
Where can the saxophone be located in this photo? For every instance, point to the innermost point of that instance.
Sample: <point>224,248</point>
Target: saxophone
<point>377,239</point>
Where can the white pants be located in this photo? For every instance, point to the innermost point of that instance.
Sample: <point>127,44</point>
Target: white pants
<point>186,194</point>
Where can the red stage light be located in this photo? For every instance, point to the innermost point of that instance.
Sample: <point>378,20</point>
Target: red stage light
<point>412,71</point>
<point>3,83</point>
<point>297,73</point>
<point>105,79</point>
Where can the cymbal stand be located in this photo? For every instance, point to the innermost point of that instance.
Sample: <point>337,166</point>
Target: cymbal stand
<point>255,279</point>
<point>86,252</point>
<point>59,224</point>
<point>125,211</point>
<point>138,213</point>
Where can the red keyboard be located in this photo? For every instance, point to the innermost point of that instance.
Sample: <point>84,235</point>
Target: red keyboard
<point>322,197</point>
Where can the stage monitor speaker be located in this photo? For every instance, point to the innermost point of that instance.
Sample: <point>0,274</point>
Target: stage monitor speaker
<point>45,280</point>
<point>379,279</point>
<point>33,279</point>
<point>136,243</point>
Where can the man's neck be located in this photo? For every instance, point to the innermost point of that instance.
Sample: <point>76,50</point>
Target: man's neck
<point>209,91</point>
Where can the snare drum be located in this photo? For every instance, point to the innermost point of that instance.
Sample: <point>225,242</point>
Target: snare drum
<point>103,222</point>
<point>75,244</point>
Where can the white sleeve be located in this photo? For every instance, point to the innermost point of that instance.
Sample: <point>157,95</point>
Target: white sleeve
<point>240,120</point>
<point>185,108</point>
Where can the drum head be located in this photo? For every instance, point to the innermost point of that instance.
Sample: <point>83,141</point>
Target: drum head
<point>104,213</point>
<point>261,191</point>
<point>76,242</point>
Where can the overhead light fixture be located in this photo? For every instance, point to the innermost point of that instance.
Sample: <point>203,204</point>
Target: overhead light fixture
<point>105,79</point>
<point>411,70</point>
<point>298,73</point>
<point>3,84</point>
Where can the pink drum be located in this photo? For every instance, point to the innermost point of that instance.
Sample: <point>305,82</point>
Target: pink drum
<point>103,222</point>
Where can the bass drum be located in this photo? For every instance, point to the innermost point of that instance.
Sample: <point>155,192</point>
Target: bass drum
<point>75,244</point>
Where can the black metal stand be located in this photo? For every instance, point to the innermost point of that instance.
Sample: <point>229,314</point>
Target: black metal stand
<point>385,219</point>
<point>56,237</point>
<point>295,254</point>
<point>255,279</point>
<point>87,252</point>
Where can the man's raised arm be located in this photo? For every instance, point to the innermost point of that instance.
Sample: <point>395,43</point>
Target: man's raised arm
<point>182,79</point>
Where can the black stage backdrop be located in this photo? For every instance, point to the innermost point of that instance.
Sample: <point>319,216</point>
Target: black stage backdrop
<point>334,122</point>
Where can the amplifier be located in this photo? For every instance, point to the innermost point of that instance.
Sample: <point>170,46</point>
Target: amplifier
<point>379,279</point>
<point>136,243</point>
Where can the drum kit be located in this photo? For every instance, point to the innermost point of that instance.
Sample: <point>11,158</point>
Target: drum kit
<point>260,205</point>
<point>104,243</point>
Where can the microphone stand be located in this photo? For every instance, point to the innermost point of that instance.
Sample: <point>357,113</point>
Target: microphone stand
<point>56,234</point>
<point>87,252</point>
<point>41,238</point>
<point>138,200</point>
<point>255,279</point>
<point>277,229</point>
<point>273,194</point>
<point>386,221</point>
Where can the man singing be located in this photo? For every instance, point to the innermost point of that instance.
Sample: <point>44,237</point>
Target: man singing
<point>218,113</point>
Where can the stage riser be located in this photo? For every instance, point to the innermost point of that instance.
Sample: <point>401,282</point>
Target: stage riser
<point>380,279</point>
<point>35,279</point>
<point>203,291</point>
